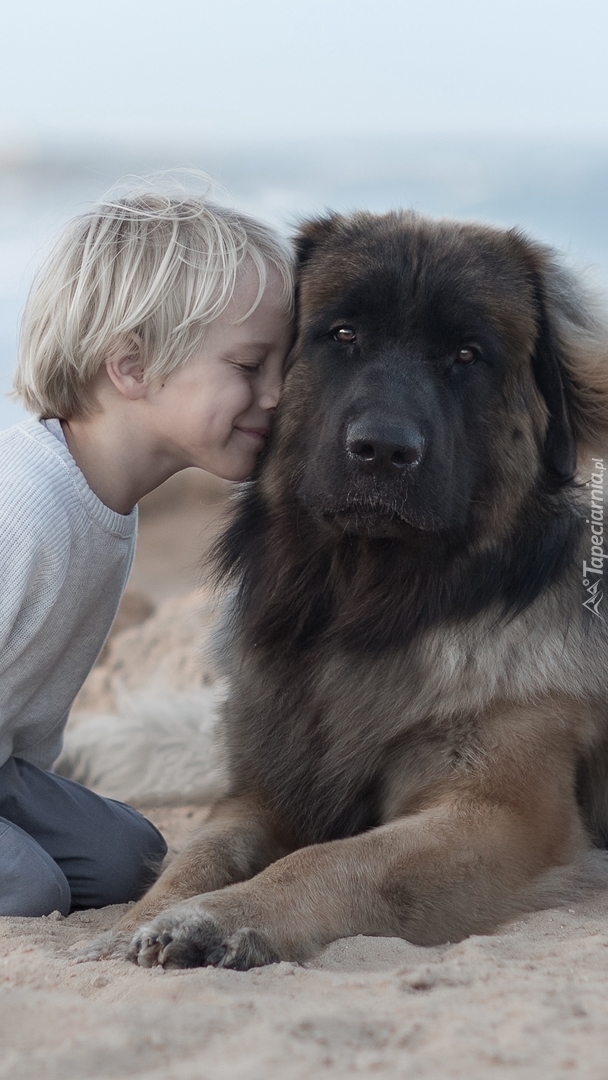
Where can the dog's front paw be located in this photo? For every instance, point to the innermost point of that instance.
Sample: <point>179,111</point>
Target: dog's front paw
<point>188,937</point>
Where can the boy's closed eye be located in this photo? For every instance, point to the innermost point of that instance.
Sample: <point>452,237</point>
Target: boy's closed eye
<point>249,365</point>
<point>253,360</point>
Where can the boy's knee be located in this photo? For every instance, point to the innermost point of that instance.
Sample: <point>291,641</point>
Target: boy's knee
<point>137,861</point>
<point>130,863</point>
<point>31,883</point>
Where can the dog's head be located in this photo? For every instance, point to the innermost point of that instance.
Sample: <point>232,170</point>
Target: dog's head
<point>431,384</point>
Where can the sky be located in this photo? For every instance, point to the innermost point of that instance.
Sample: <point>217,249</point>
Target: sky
<point>235,70</point>
<point>493,109</point>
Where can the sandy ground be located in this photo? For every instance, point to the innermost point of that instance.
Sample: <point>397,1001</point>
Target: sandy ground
<point>177,526</point>
<point>527,1003</point>
<point>530,1002</point>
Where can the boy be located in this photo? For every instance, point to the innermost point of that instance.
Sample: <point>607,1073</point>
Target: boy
<point>153,340</point>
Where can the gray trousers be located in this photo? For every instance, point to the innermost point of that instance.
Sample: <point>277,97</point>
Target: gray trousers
<point>62,847</point>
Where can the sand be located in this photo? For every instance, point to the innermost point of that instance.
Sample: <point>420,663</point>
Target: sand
<point>529,1002</point>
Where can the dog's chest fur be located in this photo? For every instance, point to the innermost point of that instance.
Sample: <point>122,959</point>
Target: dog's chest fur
<point>323,747</point>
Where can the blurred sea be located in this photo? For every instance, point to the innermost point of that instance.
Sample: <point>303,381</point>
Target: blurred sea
<point>557,192</point>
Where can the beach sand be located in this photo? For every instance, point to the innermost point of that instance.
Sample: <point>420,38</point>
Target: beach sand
<point>529,1002</point>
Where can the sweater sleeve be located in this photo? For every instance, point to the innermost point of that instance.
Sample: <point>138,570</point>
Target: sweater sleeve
<point>34,555</point>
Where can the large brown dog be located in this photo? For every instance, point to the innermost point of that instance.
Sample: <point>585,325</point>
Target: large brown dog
<point>417,732</point>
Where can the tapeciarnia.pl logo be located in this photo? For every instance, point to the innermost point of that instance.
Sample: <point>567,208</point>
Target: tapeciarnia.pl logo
<point>593,571</point>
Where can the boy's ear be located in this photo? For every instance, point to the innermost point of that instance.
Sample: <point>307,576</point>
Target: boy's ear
<point>125,369</point>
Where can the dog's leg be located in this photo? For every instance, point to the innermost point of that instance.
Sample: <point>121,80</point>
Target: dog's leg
<point>460,865</point>
<point>442,874</point>
<point>236,842</point>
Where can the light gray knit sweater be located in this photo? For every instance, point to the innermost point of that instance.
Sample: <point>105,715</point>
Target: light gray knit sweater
<point>64,561</point>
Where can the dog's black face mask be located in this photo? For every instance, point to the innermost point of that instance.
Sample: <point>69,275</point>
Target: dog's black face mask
<point>397,443</point>
<point>413,377</point>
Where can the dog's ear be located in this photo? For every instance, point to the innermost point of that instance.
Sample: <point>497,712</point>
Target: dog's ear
<point>312,235</point>
<point>553,381</point>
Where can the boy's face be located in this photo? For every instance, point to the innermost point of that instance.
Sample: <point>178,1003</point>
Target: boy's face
<point>214,411</point>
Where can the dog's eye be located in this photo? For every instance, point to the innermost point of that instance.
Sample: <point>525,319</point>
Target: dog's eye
<point>344,333</point>
<point>467,355</point>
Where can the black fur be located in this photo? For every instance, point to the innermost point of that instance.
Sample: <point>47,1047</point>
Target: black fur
<point>552,381</point>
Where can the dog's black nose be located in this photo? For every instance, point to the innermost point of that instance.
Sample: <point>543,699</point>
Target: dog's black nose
<point>378,446</point>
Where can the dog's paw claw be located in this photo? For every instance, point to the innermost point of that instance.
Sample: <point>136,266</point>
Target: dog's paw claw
<point>144,947</point>
<point>189,938</point>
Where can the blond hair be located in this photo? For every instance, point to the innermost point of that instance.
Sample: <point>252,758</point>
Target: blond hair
<point>159,266</point>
